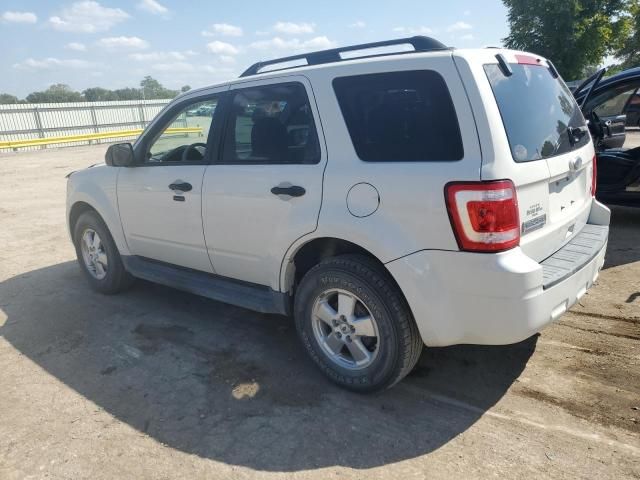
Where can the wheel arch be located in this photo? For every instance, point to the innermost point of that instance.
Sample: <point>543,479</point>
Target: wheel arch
<point>363,276</point>
<point>304,256</point>
<point>77,209</point>
<point>110,218</point>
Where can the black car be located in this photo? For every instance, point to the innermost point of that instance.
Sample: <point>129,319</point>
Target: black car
<point>612,107</point>
<point>632,110</point>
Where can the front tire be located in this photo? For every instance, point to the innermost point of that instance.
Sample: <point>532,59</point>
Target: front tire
<point>355,324</point>
<point>98,255</point>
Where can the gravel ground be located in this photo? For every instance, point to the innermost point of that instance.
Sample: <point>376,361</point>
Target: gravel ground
<point>155,383</point>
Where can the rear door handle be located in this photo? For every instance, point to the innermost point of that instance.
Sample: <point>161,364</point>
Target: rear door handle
<point>180,186</point>
<point>292,191</point>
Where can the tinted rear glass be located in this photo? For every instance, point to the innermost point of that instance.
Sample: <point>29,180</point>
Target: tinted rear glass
<point>537,111</point>
<point>400,117</point>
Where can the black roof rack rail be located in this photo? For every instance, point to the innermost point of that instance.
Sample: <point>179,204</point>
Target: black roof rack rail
<point>419,43</point>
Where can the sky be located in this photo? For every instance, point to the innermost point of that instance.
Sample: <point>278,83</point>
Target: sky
<point>115,43</point>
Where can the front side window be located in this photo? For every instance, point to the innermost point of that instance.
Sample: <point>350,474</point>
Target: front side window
<point>184,138</point>
<point>271,125</point>
<point>400,117</point>
<point>539,113</point>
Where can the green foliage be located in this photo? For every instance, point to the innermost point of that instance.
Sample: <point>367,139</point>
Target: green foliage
<point>57,93</point>
<point>150,86</point>
<point>186,88</point>
<point>574,34</point>
<point>628,49</point>
<point>153,89</point>
<point>60,93</point>
<point>98,94</point>
<point>6,99</point>
<point>128,94</point>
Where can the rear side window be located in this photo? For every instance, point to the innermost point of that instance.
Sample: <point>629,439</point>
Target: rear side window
<point>538,112</point>
<point>400,117</point>
<point>272,124</point>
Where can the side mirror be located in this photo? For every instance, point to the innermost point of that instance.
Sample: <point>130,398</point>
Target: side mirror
<point>120,155</point>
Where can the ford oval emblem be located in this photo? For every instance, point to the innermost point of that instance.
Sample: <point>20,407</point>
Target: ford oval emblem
<point>574,165</point>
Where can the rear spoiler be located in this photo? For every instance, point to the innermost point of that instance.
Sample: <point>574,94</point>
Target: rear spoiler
<point>507,71</point>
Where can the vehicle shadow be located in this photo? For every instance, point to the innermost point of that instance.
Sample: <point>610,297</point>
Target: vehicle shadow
<point>235,386</point>
<point>624,237</point>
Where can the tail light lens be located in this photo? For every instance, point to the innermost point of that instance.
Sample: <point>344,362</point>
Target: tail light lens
<point>484,215</point>
<point>594,176</point>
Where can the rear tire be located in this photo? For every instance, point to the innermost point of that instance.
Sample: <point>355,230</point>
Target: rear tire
<point>355,324</point>
<point>98,255</point>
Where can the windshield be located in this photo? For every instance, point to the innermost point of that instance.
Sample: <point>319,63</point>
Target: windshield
<point>539,113</point>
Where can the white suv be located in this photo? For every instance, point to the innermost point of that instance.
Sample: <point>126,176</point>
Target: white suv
<point>386,200</point>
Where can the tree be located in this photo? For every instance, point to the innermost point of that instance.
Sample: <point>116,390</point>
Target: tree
<point>6,99</point>
<point>573,34</point>
<point>57,93</point>
<point>150,87</point>
<point>60,93</point>
<point>98,94</point>
<point>128,94</point>
<point>153,89</point>
<point>628,50</point>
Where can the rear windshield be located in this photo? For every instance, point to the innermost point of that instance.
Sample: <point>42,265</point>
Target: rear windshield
<point>538,112</point>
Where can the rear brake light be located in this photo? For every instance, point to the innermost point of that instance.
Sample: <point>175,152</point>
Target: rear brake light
<point>527,60</point>
<point>594,176</point>
<point>484,215</point>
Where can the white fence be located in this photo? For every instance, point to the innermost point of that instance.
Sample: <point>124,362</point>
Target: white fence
<point>45,120</point>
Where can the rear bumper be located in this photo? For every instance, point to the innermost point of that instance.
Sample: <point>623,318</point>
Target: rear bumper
<point>495,299</point>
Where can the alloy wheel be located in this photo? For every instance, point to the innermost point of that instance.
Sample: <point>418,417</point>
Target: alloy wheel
<point>345,329</point>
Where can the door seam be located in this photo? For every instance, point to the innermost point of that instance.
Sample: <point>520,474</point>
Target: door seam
<point>204,236</point>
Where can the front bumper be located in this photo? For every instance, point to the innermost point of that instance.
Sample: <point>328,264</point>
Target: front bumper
<point>496,299</point>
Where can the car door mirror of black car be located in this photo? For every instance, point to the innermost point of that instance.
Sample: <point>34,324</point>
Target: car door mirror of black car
<point>120,155</point>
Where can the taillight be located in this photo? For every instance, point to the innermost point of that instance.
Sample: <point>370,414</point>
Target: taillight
<point>594,176</point>
<point>484,215</point>
<point>527,60</point>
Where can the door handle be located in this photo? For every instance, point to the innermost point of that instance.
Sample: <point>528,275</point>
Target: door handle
<point>292,191</point>
<point>181,186</point>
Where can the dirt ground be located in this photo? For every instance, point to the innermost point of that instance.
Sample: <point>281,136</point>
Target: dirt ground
<point>155,383</point>
<point>633,138</point>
